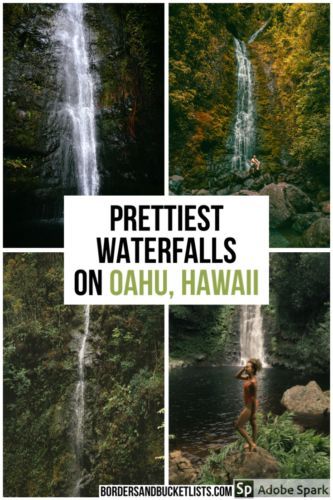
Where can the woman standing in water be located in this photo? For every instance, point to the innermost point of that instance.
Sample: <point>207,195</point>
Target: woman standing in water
<point>248,375</point>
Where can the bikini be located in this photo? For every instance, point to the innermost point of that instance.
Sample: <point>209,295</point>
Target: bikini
<point>249,397</point>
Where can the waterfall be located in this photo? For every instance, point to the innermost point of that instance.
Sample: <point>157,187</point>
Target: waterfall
<point>251,334</point>
<point>79,399</point>
<point>75,113</point>
<point>244,128</point>
<point>256,33</point>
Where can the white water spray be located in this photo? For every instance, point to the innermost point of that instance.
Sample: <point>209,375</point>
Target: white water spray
<point>251,334</point>
<point>79,398</point>
<point>76,112</point>
<point>244,128</point>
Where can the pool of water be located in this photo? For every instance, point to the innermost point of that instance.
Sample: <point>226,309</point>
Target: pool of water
<point>204,403</point>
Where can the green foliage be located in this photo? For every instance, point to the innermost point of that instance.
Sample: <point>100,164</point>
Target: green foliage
<point>299,284</point>
<point>131,435</point>
<point>199,330</point>
<point>210,471</point>
<point>302,77</point>
<point>124,391</point>
<point>130,70</point>
<point>202,86</point>
<point>299,454</point>
<point>290,60</point>
<point>296,323</point>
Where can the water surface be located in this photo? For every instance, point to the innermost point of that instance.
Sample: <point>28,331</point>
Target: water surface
<point>204,403</point>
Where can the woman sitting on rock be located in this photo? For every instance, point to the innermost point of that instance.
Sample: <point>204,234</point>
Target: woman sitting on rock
<point>248,375</point>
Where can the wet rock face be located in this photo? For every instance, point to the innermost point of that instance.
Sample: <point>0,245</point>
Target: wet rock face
<point>260,464</point>
<point>306,400</point>
<point>318,234</point>
<point>126,52</point>
<point>290,205</point>
<point>231,353</point>
<point>128,65</point>
<point>280,210</point>
<point>33,187</point>
<point>301,222</point>
<point>29,77</point>
<point>128,48</point>
<point>181,470</point>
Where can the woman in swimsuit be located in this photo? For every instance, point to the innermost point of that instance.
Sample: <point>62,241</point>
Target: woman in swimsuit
<point>248,375</point>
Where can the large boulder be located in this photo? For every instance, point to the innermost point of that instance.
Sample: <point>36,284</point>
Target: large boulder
<point>177,363</point>
<point>299,201</point>
<point>260,182</point>
<point>285,200</point>
<point>223,192</point>
<point>280,210</point>
<point>235,189</point>
<point>277,240</point>
<point>301,222</point>
<point>306,399</point>
<point>181,470</point>
<point>318,234</point>
<point>246,192</point>
<point>245,464</point>
<point>199,357</point>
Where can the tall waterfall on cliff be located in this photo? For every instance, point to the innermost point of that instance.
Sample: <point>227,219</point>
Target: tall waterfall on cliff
<point>251,334</point>
<point>76,111</point>
<point>244,128</point>
<point>79,398</point>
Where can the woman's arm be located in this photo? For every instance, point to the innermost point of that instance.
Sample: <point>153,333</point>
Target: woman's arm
<point>240,374</point>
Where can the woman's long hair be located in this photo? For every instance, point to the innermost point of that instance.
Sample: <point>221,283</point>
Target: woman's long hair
<point>257,365</point>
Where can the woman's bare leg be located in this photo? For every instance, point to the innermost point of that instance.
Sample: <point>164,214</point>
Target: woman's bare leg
<point>253,422</point>
<point>240,424</point>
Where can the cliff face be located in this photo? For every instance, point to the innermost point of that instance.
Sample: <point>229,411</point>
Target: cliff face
<point>291,65</point>
<point>272,101</point>
<point>125,45</point>
<point>290,62</point>
<point>129,51</point>
<point>123,386</point>
<point>202,91</point>
<point>31,185</point>
<point>295,326</point>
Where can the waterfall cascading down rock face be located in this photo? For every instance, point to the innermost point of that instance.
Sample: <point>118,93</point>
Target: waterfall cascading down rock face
<point>260,30</point>
<point>244,128</point>
<point>79,400</point>
<point>75,114</point>
<point>251,334</point>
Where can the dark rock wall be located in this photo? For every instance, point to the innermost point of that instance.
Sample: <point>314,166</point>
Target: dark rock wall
<point>127,53</point>
<point>129,58</point>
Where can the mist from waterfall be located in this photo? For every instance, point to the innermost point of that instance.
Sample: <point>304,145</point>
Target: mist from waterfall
<point>79,400</point>
<point>251,334</point>
<point>75,111</point>
<point>244,128</point>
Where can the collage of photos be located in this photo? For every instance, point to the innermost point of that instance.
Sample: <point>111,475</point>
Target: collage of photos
<point>84,114</point>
